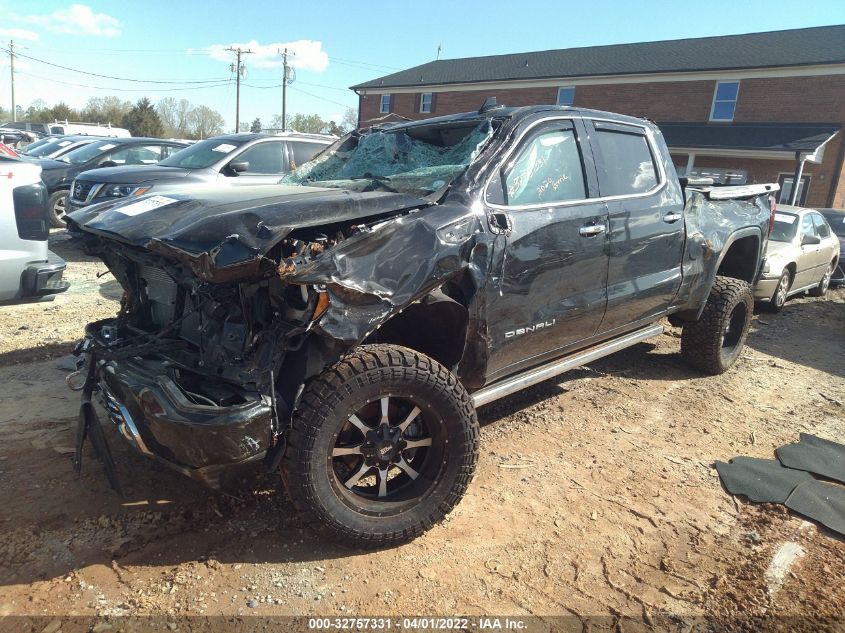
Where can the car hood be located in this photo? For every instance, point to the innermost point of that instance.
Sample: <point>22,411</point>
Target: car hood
<point>223,233</point>
<point>48,164</point>
<point>134,174</point>
<point>781,250</point>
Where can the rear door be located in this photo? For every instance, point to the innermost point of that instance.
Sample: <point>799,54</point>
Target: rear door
<point>809,257</point>
<point>646,234</point>
<point>547,291</point>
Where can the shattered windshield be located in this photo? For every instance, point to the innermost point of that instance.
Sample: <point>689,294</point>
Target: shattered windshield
<point>417,160</point>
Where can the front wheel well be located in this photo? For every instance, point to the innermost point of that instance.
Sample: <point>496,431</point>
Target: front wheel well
<point>436,326</point>
<point>740,260</point>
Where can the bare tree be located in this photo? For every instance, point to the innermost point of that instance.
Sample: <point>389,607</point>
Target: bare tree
<point>350,120</point>
<point>204,122</point>
<point>176,115</point>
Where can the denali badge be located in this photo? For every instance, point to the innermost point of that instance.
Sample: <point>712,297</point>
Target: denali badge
<point>529,328</point>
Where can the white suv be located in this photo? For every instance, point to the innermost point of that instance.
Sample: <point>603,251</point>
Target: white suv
<point>28,270</point>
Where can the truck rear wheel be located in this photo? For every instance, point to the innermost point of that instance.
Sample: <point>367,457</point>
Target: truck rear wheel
<point>383,445</point>
<point>714,342</point>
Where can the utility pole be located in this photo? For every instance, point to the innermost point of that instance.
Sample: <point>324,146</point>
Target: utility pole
<point>238,69</point>
<point>12,67</point>
<point>288,78</point>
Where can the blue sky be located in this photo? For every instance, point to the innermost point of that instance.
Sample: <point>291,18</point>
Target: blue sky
<point>338,44</point>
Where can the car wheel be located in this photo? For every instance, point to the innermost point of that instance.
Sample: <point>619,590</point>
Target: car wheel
<point>824,284</point>
<point>382,447</point>
<point>776,303</point>
<point>714,342</point>
<point>56,205</point>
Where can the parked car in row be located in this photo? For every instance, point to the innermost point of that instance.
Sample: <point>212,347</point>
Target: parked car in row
<point>345,324</point>
<point>41,129</point>
<point>234,159</point>
<point>56,146</point>
<point>28,270</point>
<point>59,174</point>
<point>802,255</point>
<point>836,219</point>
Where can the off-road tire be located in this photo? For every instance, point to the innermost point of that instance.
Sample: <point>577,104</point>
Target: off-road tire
<point>824,284</point>
<point>55,209</point>
<point>704,342</point>
<point>373,371</point>
<point>778,300</point>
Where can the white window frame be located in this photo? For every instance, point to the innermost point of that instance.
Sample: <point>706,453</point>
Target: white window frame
<point>423,109</point>
<point>557,101</point>
<point>713,102</point>
<point>381,104</point>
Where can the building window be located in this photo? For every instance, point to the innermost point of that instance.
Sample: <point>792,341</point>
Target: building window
<point>785,181</point>
<point>425,102</point>
<point>724,101</point>
<point>384,105</point>
<point>566,96</point>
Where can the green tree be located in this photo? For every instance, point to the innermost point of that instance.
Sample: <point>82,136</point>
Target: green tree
<point>143,120</point>
<point>256,125</point>
<point>37,111</point>
<point>334,128</point>
<point>104,110</point>
<point>311,123</point>
<point>204,122</point>
<point>60,112</point>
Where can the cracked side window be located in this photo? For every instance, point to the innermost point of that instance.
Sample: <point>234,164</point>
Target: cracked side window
<point>547,170</point>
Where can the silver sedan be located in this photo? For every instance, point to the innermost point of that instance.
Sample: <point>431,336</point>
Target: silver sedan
<point>802,254</point>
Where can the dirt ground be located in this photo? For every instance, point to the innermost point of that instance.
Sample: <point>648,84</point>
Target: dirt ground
<point>595,496</point>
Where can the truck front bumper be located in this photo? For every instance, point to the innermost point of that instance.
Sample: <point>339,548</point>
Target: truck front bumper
<point>155,415</point>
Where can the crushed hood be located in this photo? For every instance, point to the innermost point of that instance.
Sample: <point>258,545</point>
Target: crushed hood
<point>223,234</point>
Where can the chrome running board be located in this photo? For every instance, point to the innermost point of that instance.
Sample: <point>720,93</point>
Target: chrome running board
<point>516,383</point>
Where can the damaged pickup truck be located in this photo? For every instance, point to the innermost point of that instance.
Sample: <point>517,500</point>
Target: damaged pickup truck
<point>344,325</point>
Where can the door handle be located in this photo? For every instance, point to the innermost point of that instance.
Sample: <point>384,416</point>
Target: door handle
<point>592,230</point>
<point>669,218</point>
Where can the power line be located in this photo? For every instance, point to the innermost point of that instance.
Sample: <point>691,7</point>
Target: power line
<point>343,105</point>
<point>221,84</point>
<point>140,81</point>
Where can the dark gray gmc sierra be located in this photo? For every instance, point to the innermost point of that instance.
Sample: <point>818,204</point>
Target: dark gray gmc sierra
<point>344,325</point>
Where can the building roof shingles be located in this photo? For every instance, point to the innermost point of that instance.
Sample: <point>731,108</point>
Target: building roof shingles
<point>795,47</point>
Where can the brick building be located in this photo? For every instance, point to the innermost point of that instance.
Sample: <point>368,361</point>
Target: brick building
<point>760,107</point>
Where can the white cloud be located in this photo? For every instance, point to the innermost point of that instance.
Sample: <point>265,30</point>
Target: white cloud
<point>18,34</point>
<point>78,19</point>
<point>304,54</point>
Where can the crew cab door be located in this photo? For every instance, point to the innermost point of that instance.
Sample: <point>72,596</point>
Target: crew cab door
<point>646,223</point>
<point>549,272</point>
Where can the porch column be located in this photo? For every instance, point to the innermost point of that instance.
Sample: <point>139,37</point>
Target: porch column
<point>796,178</point>
<point>690,163</point>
